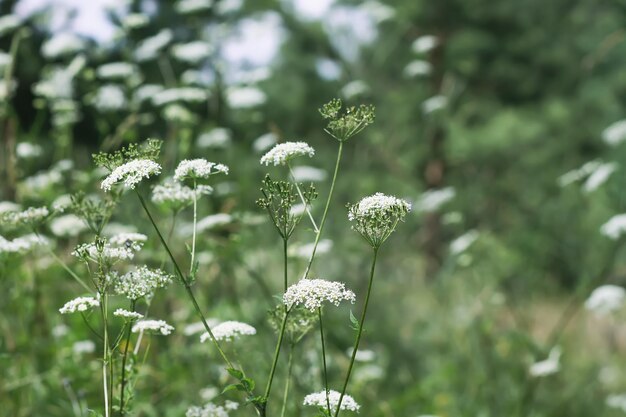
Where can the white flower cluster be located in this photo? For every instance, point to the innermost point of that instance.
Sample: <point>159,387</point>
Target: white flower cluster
<point>376,204</point>
<point>9,23</point>
<point>62,44</point>
<point>284,152</point>
<point>192,52</point>
<point>29,216</point>
<point>547,367</point>
<point>116,70</point>
<point>244,97</point>
<point>433,200</point>
<point>83,346</point>
<point>150,47</point>
<point>615,227</point>
<point>127,314</point>
<point>198,168</point>
<point>156,326</point>
<point>67,225</point>
<point>318,399</point>
<point>312,293</point>
<point>21,244</point>
<point>176,194</point>
<point>375,217</point>
<point>212,410</point>
<point>119,247</point>
<point>186,94</point>
<point>79,304</point>
<point>229,330</point>
<point>192,6</point>
<point>606,299</point>
<point>305,251</point>
<point>615,133</point>
<point>131,173</point>
<point>110,97</point>
<point>141,282</point>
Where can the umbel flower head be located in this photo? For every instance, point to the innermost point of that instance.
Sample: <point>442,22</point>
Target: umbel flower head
<point>282,153</point>
<point>127,314</point>
<point>79,304</point>
<point>198,169</point>
<point>177,196</point>
<point>141,282</point>
<point>342,126</point>
<point>228,331</point>
<point>31,216</point>
<point>131,173</point>
<point>153,326</point>
<point>375,217</point>
<point>119,247</point>
<point>318,399</point>
<point>313,293</point>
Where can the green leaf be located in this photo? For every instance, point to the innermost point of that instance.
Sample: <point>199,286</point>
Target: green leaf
<point>248,383</point>
<point>229,388</point>
<point>354,323</point>
<point>235,373</point>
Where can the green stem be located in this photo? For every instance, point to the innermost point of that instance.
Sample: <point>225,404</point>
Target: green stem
<point>306,206</point>
<point>289,370</point>
<point>359,333</point>
<point>68,270</point>
<point>105,354</point>
<point>325,374</point>
<point>323,222</point>
<point>193,239</point>
<point>124,356</point>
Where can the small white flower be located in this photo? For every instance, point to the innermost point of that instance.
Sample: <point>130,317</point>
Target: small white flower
<point>212,221</point>
<point>424,44</point>
<point>186,94</point>
<point>212,410</point>
<point>116,70</point>
<point>318,399</point>
<point>135,20</point>
<point>119,247</point>
<point>9,206</point>
<point>8,23</point>
<point>156,326</point>
<point>615,227</point>
<point>463,242</point>
<point>362,355</point>
<point>177,195</point>
<point>264,142</point>
<point>68,225</point>
<point>244,97</point>
<point>434,103</point>
<point>192,6</point>
<point>606,299</point>
<point>79,304</point>
<point>83,346</point>
<point>433,200</point>
<point>376,205</point>
<point>198,327</point>
<point>309,174</point>
<point>617,401</point>
<point>579,173</point>
<point>22,244</point>
<point>229,330</point>
<point>615,133</point>
<point>146,92</point>
<point>141,282</point>
<point>131,173</point>
<point>110,97</point>
<point>31,215</point>
<point>198,168</point>
<point>305,251</point>
<point>192,52</point>
<point>547,367</point>
<point>417,68</point>
<point>220,137</point>
<point>62,44</point>
<point>149,48</point>
<point>313,293</point>
<point>27,150</point>
<point>599,176</point>
<point>285,152</point>
<point>354,89</point>
<point>131,315</point>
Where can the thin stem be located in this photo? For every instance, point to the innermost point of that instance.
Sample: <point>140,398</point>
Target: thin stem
<point>193,239</point>
<point>289,370</point>
<point>69,271</point>
<point>323,222</point>
<point>185,282</point>
<point>105,354</point>
<point>306,206</point>
<point>325,375</point>
<point>359,333</point>
<point>124,356</point>
<point>285,262</point>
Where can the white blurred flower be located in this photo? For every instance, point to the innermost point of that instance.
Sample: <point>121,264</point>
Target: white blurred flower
<point>354,89</point>
<point>318,399</point>
<point>110,97</point>
<point>362,355</point>
<point>67,225</point>
<point>79,304</point>
<point>153,326</point>
<point>41,181</point>
<point>7,206</point>
<point>26,150</point>
<point>146,92</point>
<point>433,200</point>
<point>617,401</point>
<point>305,251</point>
<point>309,174</point>
<point>116,71</point>
<point>434,103</point>
<point>379,11</point>
<point>213,220</point>
<point>219,137</point>
<point>615,227</point>
<point>62,44</point>
<point>31,215</point>
<point>135,20</point>
<point>9,23</point>
<point>424,44</point>
<point>198,327</point>
<point>59,331</point>
<point>417,68</point>
<point>192,52</point>
<point>22,244</point>
<point>229,330</point>
<point>578,174</point>
<point>284,152</point>
<point>193,6</point>
<point>83,346</point>
<point>244,97</point>
<point>264,142</point>
<point>606,299</point>
<point>463,242</point>
<point>127,314</point>
<point>599,176</point>
<point>548,366</point>
<point>176,194</point>
<point>149,48</point>
<point>615,133</point>
<point>186,94</point>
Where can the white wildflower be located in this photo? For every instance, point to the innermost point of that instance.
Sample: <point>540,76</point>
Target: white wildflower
<point>375,217</point>
<point>9,23</point>
<point>244,97</point>
<point>617,401</point>
<point>264,142</point>
<point>228,6</point>
<point>362,355</point>
<point>424,44</point>
<point>599,176</point>
<point>178,113</point>
<point>119,247</point>
<point>141,282</point>
<point>62,44</point>
<point>192,6</point>
<point>354,89</point>
<point>318,399</point>
<point>177,195</point>
<point>305,251</point>
<point>606,299</point>
<point>433,200</point>
<point>22,244</point>
<point>131,173</point>
<point>110,97</point>
<point>198,327</point>
<point>127,314</point>
<point>116,70</point>
<point>68,225</point>
<point>309,174</point>
<point>146,92</point>
<point>577,174</point>
<point>434,103</point>
<point>186,94</point>
<point>26,150</point>
<point>42,181</point>
<point>135,21</point>
<point>212,221</point>
<point>377,204</point>
<point>417,68</point>
<point>83,346</point>
<point>285,152</point>
<point>79,304</point>
<point>62,203</point>
<point>220,137</point>
<point>463,242</point>
<point>114,228</point>
<point>615,227</point>
<point>212,410</point>
<point>156,326</point>
<point>192,52</point>
<point>198,168</point>
<point>31,215</point>
<point>312,293</point>
<point>149,48</point>
<point>615,133</point>
<point>229,330</point>
<point>9,206</point>
<point>129,239</point>
<point>548,366</point>
<point>5,60</point>
<point>60,330</point>
<point>379,11</point>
